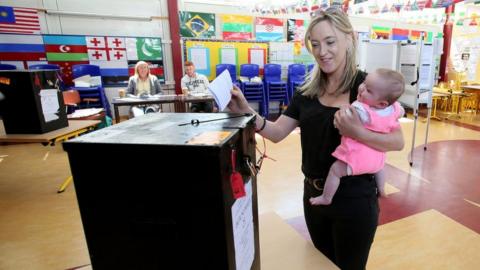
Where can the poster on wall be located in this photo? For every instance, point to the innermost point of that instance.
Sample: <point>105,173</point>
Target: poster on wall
<point>228,56</point>
<point>236,27</point>
<point>200,57</point>
<point>196,24</point>
<point>257,56</point>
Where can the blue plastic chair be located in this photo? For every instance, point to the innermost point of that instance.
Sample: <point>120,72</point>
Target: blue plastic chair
<point>310,67</point>
<point>295,77</point>
<point>275,88</point>
<point>7,67</point>
<point>45,66</point>
<point>95,94</point>
<point>231,69</point>
<point>253,91</point>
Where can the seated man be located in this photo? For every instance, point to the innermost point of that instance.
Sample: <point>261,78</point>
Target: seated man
<point>196,84</point>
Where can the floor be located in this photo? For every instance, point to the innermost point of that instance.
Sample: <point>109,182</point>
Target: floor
<point>430,220</point>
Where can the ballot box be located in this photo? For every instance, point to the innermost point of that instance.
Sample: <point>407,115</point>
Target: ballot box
<point>31,102</point>
<point>157,192</point>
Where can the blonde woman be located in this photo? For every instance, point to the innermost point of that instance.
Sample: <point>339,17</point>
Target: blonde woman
<point>343,230</point>
<point>143,84</point>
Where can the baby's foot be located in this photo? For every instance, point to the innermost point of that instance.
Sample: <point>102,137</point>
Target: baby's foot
<point>320,200</point>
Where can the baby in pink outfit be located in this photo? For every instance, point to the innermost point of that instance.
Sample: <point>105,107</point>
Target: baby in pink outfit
<point>378,110</point>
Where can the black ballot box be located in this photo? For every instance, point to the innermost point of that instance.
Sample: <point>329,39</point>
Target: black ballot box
<point>155,192</point>
<point>32,102</point>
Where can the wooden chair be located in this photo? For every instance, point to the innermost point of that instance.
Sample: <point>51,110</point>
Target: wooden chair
<point>72,101</point>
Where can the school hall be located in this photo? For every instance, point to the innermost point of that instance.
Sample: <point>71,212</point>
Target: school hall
<point>99,172</point>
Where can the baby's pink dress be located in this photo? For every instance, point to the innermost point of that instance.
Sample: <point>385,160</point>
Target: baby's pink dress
<point>360,157</point>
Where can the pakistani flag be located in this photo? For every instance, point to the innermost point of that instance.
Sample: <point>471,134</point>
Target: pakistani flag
<point>195,24</point>
<point>144,48</point>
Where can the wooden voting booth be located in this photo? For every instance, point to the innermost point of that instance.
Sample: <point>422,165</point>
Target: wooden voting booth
<point>32,102</point>
<point>155,192</point>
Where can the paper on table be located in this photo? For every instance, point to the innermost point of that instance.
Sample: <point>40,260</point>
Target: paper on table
<point>220,89</point>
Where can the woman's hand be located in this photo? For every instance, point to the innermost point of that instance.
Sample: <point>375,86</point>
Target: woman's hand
<point>348,122</point>
<point>238,103</point>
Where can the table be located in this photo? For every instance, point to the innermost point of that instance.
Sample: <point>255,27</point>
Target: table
<point>178,100</point>
<point>473,89</point>
<point>74,129</point>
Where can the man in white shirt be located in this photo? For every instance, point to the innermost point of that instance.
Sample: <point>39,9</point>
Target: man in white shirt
<point>196,84</point>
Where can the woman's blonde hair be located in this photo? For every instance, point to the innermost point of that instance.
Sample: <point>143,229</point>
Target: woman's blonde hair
<point>138,64</point>
<point>317,81</point>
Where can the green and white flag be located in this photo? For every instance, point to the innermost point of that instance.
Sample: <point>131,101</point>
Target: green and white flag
<point>195,24</point>
<point>144,48</point>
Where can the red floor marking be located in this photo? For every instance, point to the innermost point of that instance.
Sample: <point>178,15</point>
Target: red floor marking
<point>453,169</point>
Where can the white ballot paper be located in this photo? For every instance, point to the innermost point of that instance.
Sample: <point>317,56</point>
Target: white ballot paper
<point>220,89</point>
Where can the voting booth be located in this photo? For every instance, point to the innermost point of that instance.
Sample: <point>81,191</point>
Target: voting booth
<point>169,191</point>
<point>31,102</point>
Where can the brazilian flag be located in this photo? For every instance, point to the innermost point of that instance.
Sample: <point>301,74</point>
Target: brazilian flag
<point>198,25</point>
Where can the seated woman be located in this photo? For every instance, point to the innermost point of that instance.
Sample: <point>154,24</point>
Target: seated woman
<point>143,84</point>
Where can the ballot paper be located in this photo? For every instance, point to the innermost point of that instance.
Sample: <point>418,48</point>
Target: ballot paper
<point>83,81</point>
<point>220,89</point>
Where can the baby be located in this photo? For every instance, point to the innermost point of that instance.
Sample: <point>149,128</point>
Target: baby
<point>378,110</point>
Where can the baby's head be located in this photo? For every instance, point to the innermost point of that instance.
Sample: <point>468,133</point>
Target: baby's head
<point>381,88</point>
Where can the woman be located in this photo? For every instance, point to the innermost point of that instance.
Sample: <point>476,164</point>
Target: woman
<point>344,230</point>
<point>143,84</point>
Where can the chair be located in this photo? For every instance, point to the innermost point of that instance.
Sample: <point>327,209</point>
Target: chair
<point>310,67</point>
<point>231,69</point>
<point>72,100</point>
<point>296,77</point>
<point>253,91</point>
<point>275,88</point>
<point>95,94</point>
<point>45,66</point>
<point>7,67</point>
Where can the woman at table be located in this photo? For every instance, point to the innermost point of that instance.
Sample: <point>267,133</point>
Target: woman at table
<point>143,84</point>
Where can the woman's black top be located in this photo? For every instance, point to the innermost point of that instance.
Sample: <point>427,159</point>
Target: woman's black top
<point>319,138</point>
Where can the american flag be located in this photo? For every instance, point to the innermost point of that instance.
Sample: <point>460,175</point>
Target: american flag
<point>19,20</point>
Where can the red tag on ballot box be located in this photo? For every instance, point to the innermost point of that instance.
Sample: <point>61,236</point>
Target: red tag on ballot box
<point>236,179</point>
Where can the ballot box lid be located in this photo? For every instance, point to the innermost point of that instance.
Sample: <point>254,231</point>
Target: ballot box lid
<point>206,129</point>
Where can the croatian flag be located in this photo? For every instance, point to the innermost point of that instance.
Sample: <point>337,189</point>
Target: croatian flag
<point>269,29</point>
<point>19,20</point>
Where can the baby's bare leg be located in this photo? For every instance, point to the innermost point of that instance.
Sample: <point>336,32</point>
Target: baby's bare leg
<point>380,179</point>
<point>338,170</point>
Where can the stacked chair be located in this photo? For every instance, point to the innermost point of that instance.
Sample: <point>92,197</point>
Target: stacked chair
<point>275,88</point>
<point>231,69</point>
<point>254,91</point>
<point>93,96</point>
<point>7,67</point>
<point>296,77</point>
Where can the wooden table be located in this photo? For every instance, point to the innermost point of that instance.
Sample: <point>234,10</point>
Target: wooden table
<point>75,128</point>
<point>475,90</point>
<point>180,102</point>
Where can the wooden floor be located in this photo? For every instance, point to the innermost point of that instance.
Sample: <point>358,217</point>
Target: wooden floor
<point>431,219</point>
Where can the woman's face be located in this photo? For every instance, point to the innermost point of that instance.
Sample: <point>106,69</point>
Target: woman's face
<point>329,47</point>
<point>143,71</point>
